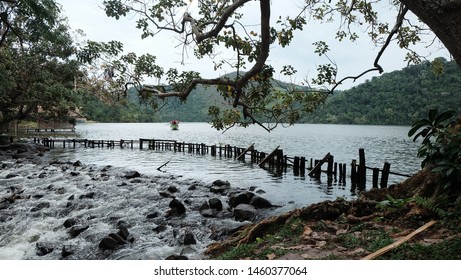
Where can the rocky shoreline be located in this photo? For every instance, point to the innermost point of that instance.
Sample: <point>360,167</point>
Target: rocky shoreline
<point>51,209</point>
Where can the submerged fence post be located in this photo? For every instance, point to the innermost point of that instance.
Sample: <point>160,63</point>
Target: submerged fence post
<point>362,174</point>
<point>385,174</point>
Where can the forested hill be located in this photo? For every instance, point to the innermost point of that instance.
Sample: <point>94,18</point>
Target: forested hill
<point>395,98</point>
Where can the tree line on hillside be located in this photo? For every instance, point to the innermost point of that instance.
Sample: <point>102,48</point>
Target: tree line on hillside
<point>395,98</point>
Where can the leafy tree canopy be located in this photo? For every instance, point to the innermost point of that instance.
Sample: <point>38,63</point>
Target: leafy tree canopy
<point>37,72</point>
<point>220,27</point>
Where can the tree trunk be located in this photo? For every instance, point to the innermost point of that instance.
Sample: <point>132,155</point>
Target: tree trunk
<point>444,18</point>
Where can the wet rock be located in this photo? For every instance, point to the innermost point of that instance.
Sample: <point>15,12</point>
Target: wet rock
<point>176,257</point>
<point>67,250</point>
<point>76,230</point>
<point>74,173</point>
<point>77,164</point>
<point>132,175</point>
<point>153,215</point>
<point>123,231</point>
<point>209,213</point>
<point>42,175</point>
<point>11,175</point>
<point>244,212</point>
<point>43,248</point>
<point>106,168</point>
<point>172,189</point>
<point>136,181</point>
<point>189,239</point>
<point>88,195</point>
<point>40,206</point>
<point>117,238</point>
<point>160,228</point>
<point>4,205</point>
<point>70,222</point>
<point>165,194</point>
<point>220,183</point>
<point>193,187</point>
<point>215,203</point>
<point>177,208</point>
<point>260,202</point>
<point>108,243</point>
<point>240,198</point>
<point>220,187</point>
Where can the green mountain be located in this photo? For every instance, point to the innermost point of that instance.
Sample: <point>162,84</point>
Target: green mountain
<point>395,98</point>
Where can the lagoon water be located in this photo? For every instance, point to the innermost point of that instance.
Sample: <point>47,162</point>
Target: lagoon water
<point>381,143</point>
<point>99,197</point>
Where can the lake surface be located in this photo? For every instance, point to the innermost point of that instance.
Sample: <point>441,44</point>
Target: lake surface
<point>381,143</point>
<point>98,197</point>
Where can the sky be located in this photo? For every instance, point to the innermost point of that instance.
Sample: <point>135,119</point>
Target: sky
<point>352,58</point>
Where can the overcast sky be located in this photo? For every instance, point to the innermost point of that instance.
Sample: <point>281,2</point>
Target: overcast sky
<point>352,58</point>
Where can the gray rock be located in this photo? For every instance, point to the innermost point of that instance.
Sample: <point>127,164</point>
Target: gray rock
<point>240,198</point>
<point>132,175</point>
<point>177,207</point>
<point>244,212</point>
<point>260,202</point>
<point>108,243</point>
<point>43,248</point>
<point>215,203</point>
<point>76,230</point>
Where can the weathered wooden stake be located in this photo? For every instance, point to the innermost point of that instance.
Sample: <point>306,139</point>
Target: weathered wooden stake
<point>362,176</point>
<point>375,177</point>
<point>385,174</point>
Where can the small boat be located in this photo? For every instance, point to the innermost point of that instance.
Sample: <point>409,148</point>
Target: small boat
<point>174,125</point>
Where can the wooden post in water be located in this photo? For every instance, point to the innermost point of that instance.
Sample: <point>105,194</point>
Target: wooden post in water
<point>385,174</point>
<point>296,166</point>
<point>330,166</point>
<point>375,177</point>
<point>354,172</point>
<point>302,166</point>
<point>362,176</point>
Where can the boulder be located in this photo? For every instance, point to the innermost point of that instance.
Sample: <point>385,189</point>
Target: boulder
<point>215,203</point>
<point>108,243</point>
<point>260,202</point>
<point>40,206</point>
<point>43,248</point>
<point>70,222</point>
<point>176,257</point>
<point>189,239</point>
<point>76,230</point>
<point>220,187</point>
<point>177,208</point>
<point>67,250</point>
<point>240,198</point>
<point>132,175</point>
<point>244,212</point>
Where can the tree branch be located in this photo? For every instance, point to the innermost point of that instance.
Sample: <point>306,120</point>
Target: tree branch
<point>199,36</point>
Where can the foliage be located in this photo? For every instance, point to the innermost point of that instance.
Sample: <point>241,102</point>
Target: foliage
<point>396,98</point>
<point>441,146</point>
<point>213,28</point>
<point>37,72</point>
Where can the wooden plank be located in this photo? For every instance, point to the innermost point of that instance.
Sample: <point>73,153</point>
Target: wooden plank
<point>398,242</point>
<point>268,157</point>
<point>252,146</point>
<point>319,165</point>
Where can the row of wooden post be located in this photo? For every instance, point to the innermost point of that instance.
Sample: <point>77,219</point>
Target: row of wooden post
<point>274,160</point>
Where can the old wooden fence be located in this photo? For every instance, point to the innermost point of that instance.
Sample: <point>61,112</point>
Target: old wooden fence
<point>275,160</point>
